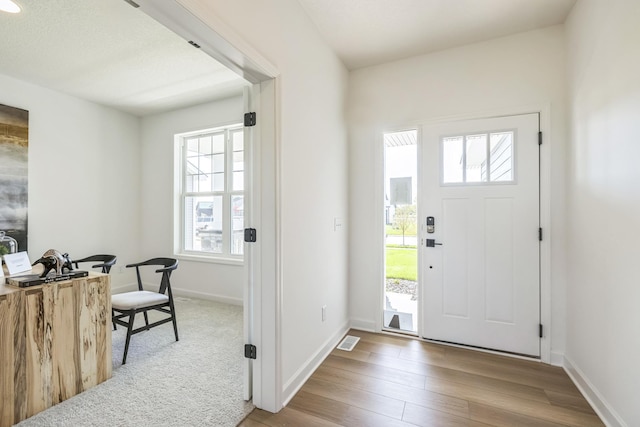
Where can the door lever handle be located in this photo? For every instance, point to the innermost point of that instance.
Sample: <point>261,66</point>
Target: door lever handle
<point>431,243</point>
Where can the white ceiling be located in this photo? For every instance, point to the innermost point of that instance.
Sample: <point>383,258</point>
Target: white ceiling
<point>108,52</point>
<point>370,32</point>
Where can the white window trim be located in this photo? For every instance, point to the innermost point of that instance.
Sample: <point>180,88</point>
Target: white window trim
<point>179,211</point>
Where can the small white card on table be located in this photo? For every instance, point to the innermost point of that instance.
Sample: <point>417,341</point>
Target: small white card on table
<point>17,263</point>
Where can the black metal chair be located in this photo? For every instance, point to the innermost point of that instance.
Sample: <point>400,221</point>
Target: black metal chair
<point>107,262</point>
<point>128,304</point>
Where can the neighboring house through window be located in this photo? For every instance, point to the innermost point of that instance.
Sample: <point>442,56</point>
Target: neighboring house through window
<point>211,220</point>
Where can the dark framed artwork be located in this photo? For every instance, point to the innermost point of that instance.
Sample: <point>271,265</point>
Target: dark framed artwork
<point>14,149</point>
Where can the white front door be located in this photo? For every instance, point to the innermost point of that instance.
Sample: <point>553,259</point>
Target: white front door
<point>481,255</point>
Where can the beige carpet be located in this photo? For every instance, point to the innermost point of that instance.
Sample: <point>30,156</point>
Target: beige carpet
<point>196,381</point>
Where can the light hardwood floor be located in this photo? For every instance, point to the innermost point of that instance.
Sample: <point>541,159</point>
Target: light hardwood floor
<point>395,381</point>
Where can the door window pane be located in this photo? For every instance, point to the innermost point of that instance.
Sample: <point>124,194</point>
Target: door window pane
<point>452,161</point>
<point>479,158</point>
<point>501,156</point>
<point>476,158</point>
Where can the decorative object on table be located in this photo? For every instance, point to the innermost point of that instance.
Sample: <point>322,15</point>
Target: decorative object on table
<point>35,279</point>
<point>57,267</point>
<point>53,259</point>
<point>17,263</point>
<point>14,149</point>
<point>8,245</point>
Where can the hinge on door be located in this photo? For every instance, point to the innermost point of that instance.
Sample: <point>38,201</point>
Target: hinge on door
<point>250,235</point>
<point>250,119</point>
<point>250,351</point>
<point>540,138</point>
<point>540,234</point>
<point>541,335</point>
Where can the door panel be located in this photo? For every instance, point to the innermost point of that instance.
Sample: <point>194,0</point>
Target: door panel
<point>456,293</point>
<point>481,184</point>
<point>499,246</point>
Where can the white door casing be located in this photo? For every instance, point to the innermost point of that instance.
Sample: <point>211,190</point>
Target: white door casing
<point>250,257</point>
<point>191,21</point>
<point>482,285</point>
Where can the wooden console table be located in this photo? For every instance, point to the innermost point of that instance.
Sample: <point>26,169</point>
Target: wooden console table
<point>55,342</point>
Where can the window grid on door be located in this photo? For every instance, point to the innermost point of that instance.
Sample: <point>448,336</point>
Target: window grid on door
<point>478,158</point>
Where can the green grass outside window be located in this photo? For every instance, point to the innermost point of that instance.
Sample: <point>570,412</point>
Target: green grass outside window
<point>402,263</point>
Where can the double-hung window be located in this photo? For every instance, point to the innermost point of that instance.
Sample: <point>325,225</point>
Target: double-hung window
<point>212,192</point>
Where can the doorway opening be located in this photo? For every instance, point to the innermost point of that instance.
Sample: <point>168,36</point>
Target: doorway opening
<point>400,304</point>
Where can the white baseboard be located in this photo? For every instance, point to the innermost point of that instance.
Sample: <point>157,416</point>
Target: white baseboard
<point>557,359</point>
<point>299,378</point>
<point>363,325</point>
<point>606,413</point>
<point>210,297</point>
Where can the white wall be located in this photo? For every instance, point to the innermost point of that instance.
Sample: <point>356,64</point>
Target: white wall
<point>498,75</point>
<point>109,197</point>
<point>312,156</point>
<point>83,175</point>
<point>217,281</point>
<point>603,189</point>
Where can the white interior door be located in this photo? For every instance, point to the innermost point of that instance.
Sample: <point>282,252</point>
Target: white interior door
<point>482,274</point>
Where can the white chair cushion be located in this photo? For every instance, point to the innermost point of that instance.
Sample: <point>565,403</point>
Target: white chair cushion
<point>137,299</point>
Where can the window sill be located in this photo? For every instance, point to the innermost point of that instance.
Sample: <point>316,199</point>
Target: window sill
<point>210,260</point>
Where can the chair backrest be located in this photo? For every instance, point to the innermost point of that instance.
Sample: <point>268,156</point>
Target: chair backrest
<point>107,261</point>
<point>168,264</point>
